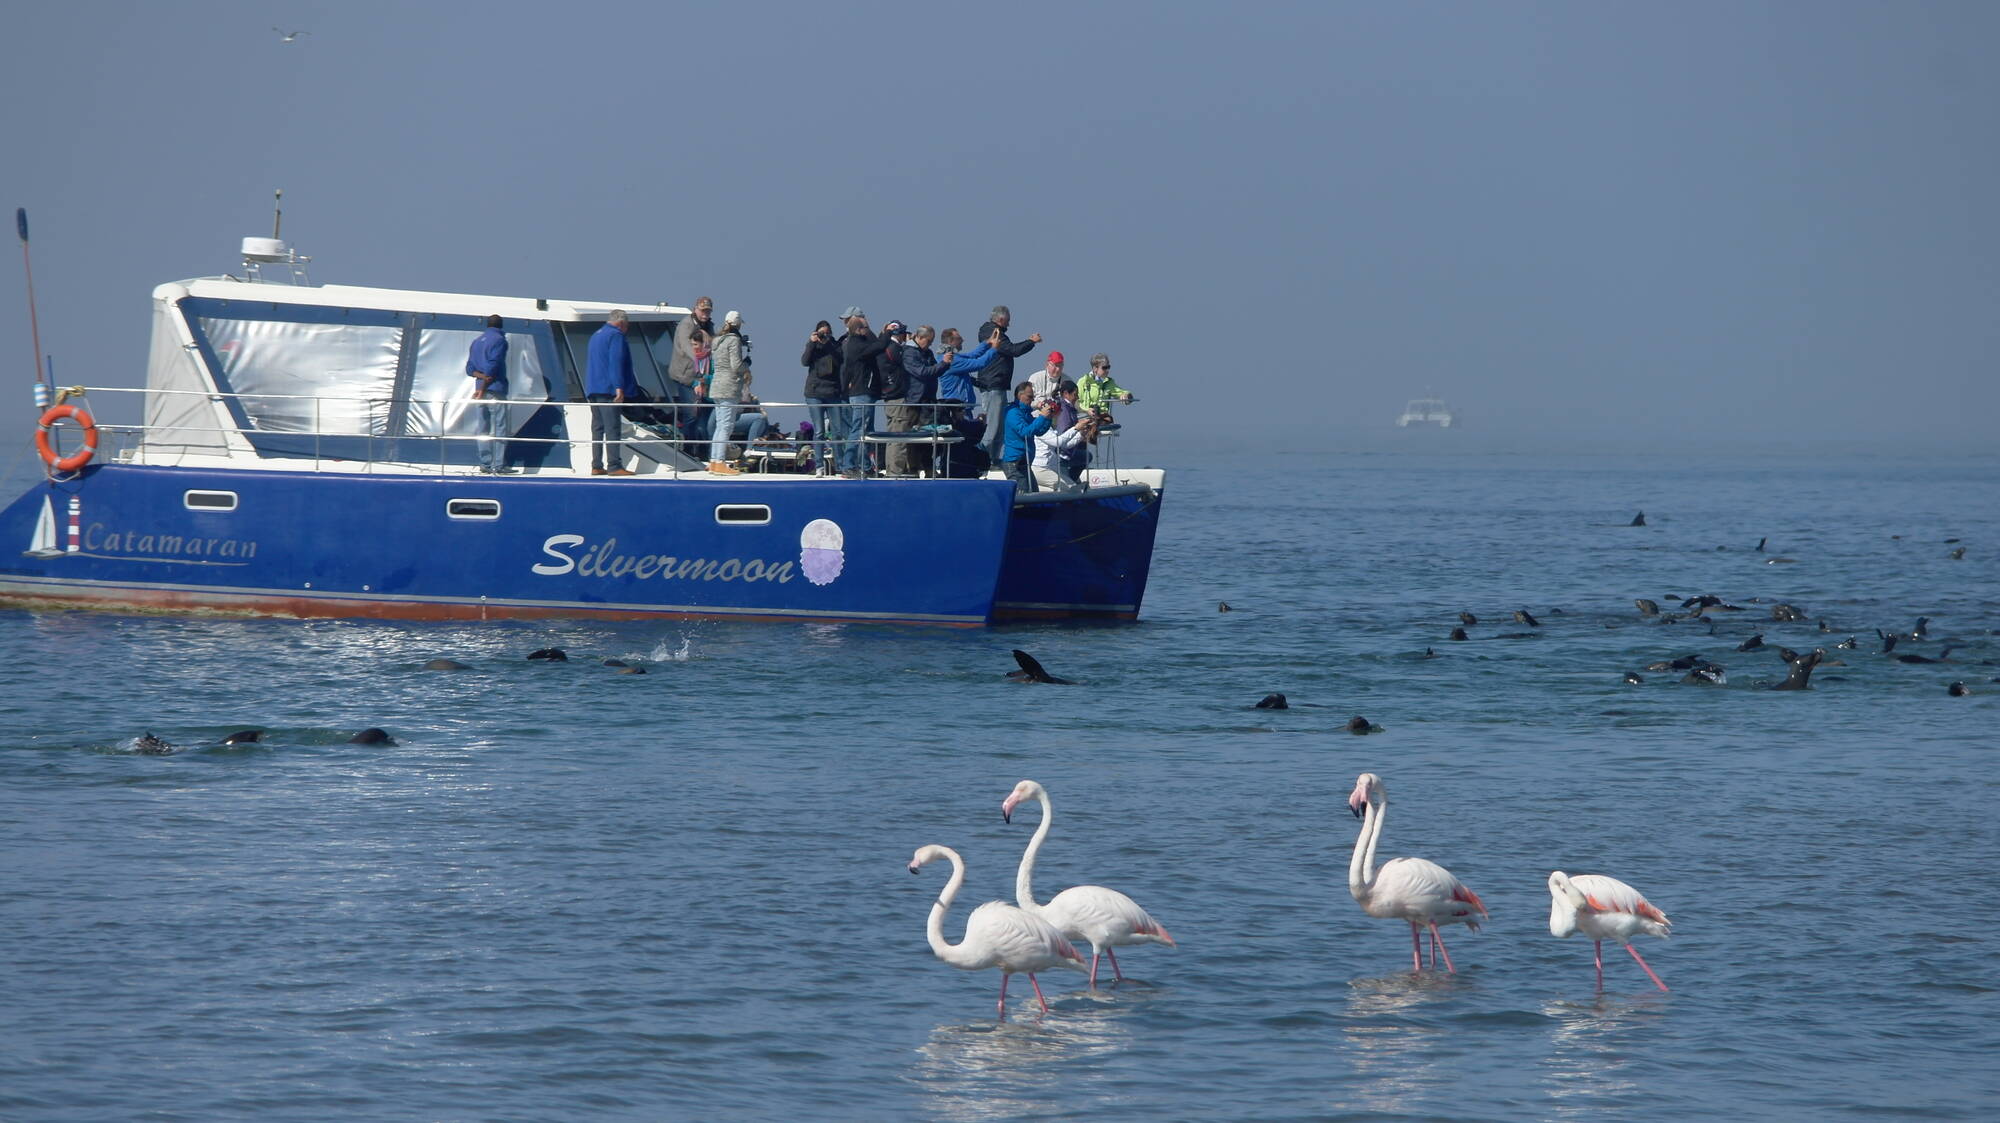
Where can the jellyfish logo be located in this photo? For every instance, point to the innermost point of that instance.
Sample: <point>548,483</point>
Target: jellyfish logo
<point>819,551</point>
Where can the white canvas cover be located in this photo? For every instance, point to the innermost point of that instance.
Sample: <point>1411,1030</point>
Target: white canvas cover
<point>179,415</point>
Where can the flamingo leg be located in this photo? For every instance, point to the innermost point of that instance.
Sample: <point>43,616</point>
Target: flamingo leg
<point>1005,978</point>
<point>1597,954</point>
<point>1038,991</point>
<point>1416,949</point>
<point>1093,968</point>
<point>1643,967</point>
<point>1437,942</point>
<point>1434,948</point>
<point>1114,963</point>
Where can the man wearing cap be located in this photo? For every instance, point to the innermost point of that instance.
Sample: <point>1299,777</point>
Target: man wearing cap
<point>725,389</point>
<point>681,373</point>
<point>994,381</point>
<point>608,378</point>
<point>487,365</point>
<point>861,385</point>
<point>1049,379</point>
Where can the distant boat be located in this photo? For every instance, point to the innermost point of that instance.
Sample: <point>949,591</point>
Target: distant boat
<point>1427,411</point>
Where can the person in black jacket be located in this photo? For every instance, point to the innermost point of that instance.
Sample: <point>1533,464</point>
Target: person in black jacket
<point>994,381</point>
<point>823,394</point>
<point>861,383</point>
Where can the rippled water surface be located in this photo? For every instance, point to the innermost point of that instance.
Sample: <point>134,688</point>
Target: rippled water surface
<point>567,893</point>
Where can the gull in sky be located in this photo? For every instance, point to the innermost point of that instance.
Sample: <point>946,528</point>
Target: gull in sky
<point>289,36</point>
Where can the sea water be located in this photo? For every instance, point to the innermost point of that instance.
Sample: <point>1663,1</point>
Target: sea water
<point>568,893</point>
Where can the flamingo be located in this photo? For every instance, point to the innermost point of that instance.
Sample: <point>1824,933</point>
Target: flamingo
<point>1105,917</point>
<point>996,935</point>
<point>1604,908</point>
<point>1410,889</point>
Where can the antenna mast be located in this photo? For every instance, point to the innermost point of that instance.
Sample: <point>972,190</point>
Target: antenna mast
<point>277,211</point>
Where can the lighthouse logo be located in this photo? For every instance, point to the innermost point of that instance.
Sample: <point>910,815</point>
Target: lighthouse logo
<point>820,553</point>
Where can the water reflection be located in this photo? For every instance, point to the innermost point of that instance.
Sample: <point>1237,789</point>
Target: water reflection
<point>1585,1073</point>
<point>1000,1070</point>
<point>1393,1043</point>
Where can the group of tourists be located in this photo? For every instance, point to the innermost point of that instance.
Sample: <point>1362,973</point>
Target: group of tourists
<point>938,393</point>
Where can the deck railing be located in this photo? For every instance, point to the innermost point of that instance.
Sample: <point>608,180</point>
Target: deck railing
<point>673,436</point>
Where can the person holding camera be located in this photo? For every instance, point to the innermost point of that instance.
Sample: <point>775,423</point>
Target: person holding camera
<point>1062,453</point>
<point>1023,422</point>
<point>1097,391</point>
<point>823,395</point>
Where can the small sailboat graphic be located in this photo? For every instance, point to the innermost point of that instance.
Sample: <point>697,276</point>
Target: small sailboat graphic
<point>44,544</point>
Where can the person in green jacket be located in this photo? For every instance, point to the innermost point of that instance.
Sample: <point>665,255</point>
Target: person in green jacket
<point>1096,391</point>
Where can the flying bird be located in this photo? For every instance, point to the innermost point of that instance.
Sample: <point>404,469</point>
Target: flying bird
<point>289,36</point>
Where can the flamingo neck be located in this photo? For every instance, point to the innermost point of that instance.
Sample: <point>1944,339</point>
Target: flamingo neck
<point>1361,868</point>
<point>1024,878</point>
<point>959,955</point>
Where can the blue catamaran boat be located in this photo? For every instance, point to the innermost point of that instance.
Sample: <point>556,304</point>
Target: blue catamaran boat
<point>312,451</point>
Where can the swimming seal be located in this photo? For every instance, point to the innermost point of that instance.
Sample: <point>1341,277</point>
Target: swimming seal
<point>550,654</point>
<point>1751,644</point>
<point>152,746</point>
<point>1638,519</point>
<point>1957,690</point>
<point>1943,657</point>
<point>246,737</point>
<point>1223,606</point>
<point>371,736</point>
<point>1786,613</point>
<point>1632,678</point>
<point>1647,607</point>
<point>1800,676</point>
<point>445,665</point>
<point>1523,616</point>
<point>1031,671</point>
<point>1359,725</point>
<point>1468,619</point>
<point>1457,633</point>
<point>1707,674</point>
<point>1272,702</point>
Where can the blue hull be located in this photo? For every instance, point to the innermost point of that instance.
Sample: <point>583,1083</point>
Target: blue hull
<point>1086,557</point>
<point>316,544</point>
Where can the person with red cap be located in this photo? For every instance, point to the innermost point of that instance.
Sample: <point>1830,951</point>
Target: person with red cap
<point>1049,379</point>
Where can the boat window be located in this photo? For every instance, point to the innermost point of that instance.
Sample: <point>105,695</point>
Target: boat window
<point>209,500</point>
<point>319,377</point>
<point>472,508</point>
<point>650,376</point>
<point>743,514</point>
<point>441,394</point>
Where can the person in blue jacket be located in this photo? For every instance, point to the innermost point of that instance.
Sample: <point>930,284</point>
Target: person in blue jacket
<point>955,383</point>
<point>608,378</point>
<point>487,365</point>
<point>1021,424</point>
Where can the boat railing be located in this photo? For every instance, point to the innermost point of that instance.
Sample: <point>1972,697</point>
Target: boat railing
<point>672,434</point>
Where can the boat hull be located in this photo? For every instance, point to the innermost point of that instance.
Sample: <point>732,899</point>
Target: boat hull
<point>1083,557</point>
<point>326,544</point>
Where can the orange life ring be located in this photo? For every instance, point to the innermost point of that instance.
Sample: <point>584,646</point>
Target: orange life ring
<point>76,459</point>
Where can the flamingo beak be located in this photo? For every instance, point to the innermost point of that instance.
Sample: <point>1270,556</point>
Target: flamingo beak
<point>1007,811</point>
<point>1356,805</point>
<point>914,867</point>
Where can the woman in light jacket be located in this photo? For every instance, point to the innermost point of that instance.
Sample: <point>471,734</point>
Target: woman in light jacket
<point>725,389</point>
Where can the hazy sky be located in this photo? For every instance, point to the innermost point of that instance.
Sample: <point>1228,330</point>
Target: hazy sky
<point>1578,222</point>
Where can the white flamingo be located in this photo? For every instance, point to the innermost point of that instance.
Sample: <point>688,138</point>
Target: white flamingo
<point>1604,908</point>
<point>1105,917</point>
<point>996,935</point>
<point>1420,892</point>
